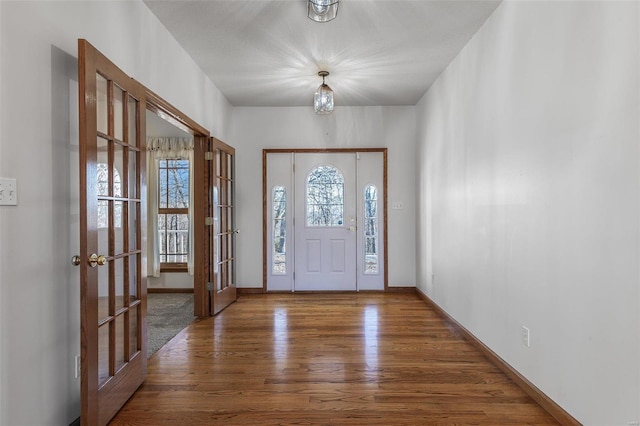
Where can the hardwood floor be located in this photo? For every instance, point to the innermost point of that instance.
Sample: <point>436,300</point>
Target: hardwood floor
<point>326,359</point>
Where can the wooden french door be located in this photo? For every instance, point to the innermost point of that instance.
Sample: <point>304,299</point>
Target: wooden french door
<point>112,232</point>
<point>221,226</point>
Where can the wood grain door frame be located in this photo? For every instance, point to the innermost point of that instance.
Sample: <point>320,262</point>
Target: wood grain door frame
<point>165,110</point>
<point>266,152</point>
<point>204,300</point>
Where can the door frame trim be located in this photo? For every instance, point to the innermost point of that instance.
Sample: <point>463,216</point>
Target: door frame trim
<point>165,110</point>
<point>267,151</point>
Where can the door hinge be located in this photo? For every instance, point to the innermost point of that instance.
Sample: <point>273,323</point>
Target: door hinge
<point>209,286</point>
<point>208,221</point>
<point>208,155</point>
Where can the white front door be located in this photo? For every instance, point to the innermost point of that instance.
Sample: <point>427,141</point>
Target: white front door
<point>330,247</point>
<point>325,221</point>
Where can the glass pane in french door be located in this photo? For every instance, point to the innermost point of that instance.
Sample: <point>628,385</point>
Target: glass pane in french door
<point>225,214</point>
<point>103,354</point>
<point>121,356</point>
<point>118,210</point>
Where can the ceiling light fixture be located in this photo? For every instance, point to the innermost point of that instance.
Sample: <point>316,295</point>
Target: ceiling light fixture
<point>322,10</point>
<point>323,100</point>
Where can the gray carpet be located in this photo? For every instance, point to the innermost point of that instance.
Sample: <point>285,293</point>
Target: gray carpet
<point>167,315</point>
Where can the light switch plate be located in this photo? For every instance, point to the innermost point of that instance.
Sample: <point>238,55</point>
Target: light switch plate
<point>8,192</point>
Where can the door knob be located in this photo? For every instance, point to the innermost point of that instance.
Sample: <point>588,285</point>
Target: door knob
<point>97,260</point>
<point>351,228</point>
<point>75,260</point>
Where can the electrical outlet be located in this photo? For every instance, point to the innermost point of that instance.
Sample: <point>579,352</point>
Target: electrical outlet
<point>76,369</point>
<point>8,192</point>
<point>526,339</point>
<point>397,205</point>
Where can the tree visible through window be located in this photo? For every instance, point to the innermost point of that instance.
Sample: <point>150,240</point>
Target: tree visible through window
<point>325,197</point>
<point>173,213</point>
<point>279,230</point>
<point>370,229</point>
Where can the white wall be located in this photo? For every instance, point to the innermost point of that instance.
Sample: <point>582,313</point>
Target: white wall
<point>528,198</point>
<point>171,280</point>
<point>348,127</point>
<point>39,290</point>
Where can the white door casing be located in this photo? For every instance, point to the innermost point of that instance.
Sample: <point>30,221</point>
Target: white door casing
<point>289,249</point>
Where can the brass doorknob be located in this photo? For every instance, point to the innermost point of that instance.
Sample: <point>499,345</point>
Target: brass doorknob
<point>75,260</point>
<point>97,260</point>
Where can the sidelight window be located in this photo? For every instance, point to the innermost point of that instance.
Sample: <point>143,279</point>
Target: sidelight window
<point>371,260</point>
<point>279,230</point>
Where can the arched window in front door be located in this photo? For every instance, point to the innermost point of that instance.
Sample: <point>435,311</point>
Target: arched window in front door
<point>325,197</point>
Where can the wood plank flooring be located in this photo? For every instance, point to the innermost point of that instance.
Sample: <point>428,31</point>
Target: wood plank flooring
<point>326,359</point>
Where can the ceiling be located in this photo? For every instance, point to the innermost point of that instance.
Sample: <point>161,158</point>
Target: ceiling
<point>161,127</point>
<point>268,53</point>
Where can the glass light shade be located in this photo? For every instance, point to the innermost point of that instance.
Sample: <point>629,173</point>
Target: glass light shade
<point>323,100</point>
<point>322,10</point>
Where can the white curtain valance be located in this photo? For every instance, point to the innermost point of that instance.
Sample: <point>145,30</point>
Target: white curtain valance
<point>170,147</point>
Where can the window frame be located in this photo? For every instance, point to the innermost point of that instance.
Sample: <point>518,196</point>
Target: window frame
<point>171,267</point>
<point>103,217</point>
<point>282,203</point>
<point>375,235</point>
<point>337,181</point>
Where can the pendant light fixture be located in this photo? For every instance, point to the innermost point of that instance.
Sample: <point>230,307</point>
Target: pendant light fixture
<point>323,99</point>
<point>322,10</point>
